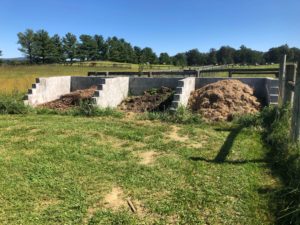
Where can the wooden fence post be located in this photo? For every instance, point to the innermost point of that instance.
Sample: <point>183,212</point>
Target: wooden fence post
<point>290,76</point>
<point>281,79</point>
<point>295,131</point>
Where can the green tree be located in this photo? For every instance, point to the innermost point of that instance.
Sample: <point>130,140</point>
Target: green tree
<point>195,58</point>
<point>212,57</point>
<point>42,46</point>
<point>179,60</point>
<point>101,47</point>
<point>70,46</point>
<point>26,40</point>
<point>225,55</point>
<point>57,53</point>
<point>164,58</point>
<point>137,54</point>
<point>87,49</point>
<point>148,56</point>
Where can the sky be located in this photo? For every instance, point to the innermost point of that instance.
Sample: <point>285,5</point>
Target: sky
<point>170,26</point>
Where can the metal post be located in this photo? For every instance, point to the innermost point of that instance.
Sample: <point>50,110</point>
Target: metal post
<point>281,79</point>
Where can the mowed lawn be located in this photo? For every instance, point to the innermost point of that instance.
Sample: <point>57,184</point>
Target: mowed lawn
<point>77,170</point>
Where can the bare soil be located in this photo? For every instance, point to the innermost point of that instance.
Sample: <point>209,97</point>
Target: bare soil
<point>152,100</point>
<point>147,157</point>
<point>223,100</point>
<point>115,199</point>
<point>70,100</point>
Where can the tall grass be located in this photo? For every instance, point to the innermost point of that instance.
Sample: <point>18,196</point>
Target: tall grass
<point>11,103</point>
<point>284,160</point>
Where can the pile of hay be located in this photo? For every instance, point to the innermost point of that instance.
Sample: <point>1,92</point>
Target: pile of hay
<point>223,100</point>
<point>70,100</point>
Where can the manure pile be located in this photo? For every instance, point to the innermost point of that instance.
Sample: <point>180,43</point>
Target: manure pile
<point>152,100</point>
<point>223,100</point>
<point>70,100</point>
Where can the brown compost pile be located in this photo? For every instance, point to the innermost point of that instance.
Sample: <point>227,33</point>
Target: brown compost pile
<point>152,100</point>
<point>223,100</point>
<point>71,99</point>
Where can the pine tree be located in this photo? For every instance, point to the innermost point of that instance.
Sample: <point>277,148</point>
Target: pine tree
<point>26,42</point>
<point>70,46</point>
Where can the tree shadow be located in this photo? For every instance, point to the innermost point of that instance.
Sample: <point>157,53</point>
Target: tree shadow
<point>233,162</point>
<point>225,149</point>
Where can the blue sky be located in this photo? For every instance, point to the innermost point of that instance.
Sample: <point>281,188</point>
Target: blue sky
<point>165,25</point>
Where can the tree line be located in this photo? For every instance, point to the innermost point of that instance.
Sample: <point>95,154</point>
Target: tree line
<point>40,47</point>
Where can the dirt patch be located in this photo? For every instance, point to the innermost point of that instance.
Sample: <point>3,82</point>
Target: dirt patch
<point>147,157</point>
<point>115,199</point>
<point>223,100</point>
<point>152,100</point>
<point>70,100</point>
<point>175,136</point>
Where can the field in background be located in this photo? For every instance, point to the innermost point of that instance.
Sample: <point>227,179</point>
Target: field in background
<point>82,170</point>
<point>19,78</point>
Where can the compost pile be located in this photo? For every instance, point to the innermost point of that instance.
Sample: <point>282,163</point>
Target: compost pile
<point>223,100</point>
<point>70,100</point>
<point>151,100</point>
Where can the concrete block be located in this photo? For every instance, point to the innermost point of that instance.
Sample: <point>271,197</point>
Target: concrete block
<point>137,85</point>
<point>48,89</point>
<point>79,83</point>
<point>183,91</point>
<point>113,92</point>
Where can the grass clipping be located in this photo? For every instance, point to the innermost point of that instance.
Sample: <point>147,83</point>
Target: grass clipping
<point>70,100</point>
<point>223,100</point>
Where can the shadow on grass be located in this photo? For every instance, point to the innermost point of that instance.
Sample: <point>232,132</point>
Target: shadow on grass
<point>242,161</point>
<point>225,150</point>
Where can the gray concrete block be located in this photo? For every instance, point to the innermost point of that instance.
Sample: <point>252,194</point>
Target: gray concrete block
<point>113,92</point>
<point>79,83</point>
<point>183,91</point>
<point>48,89</point>
<point>137,85</point>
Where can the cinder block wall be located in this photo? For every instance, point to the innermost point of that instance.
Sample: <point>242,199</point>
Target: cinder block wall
<point>183,92</point>
<point>47,89</point>
<point>112,92</point>
<point>79,83</point>
<point>137,85</point>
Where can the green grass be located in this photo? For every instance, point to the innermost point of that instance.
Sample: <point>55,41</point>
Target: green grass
<point>20,78</point>
<point>58,169</point>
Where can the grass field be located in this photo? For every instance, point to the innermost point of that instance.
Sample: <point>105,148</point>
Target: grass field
<point>19,78</point>
<point>78,170</point>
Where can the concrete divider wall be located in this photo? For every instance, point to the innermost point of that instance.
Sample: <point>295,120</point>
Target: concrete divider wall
<point>112,92</point>
<point>48,89</point>
<point>137,85</point>
<point>183,92</point>
<point>79,83</point>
